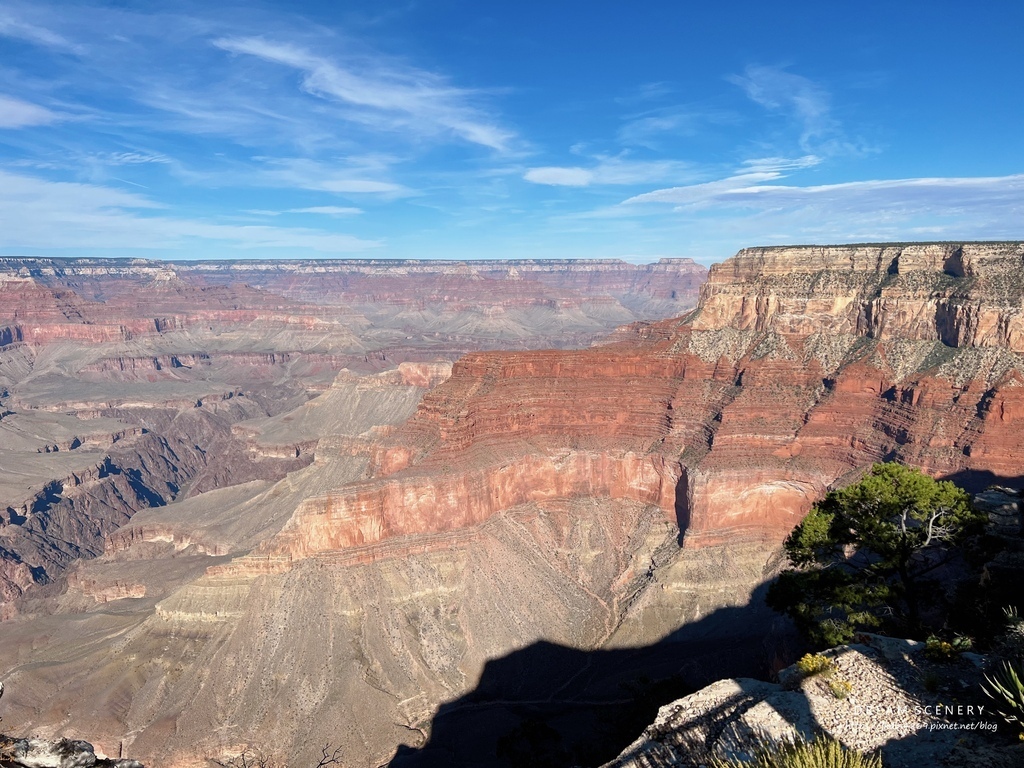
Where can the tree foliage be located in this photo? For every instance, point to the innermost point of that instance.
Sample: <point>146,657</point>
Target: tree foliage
<point>864,556</point>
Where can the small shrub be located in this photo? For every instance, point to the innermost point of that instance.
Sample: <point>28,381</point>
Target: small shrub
<point>819,665</point>
<point>1007,688</point>
<point>811,664</point>
<point>937,649</point>
<point>257,758</point>
<point>1010,642</point>
<point>840,688</point>
<point>823,752</point>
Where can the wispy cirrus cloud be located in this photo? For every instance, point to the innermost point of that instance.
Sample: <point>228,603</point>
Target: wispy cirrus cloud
<point>16,113</point>
<point>609,171</point>
<point>19,28</point>
<point>707,192</point>
<point>40,214</point>
<point>328,210</point>
<point>354,176</point>
<point>653,91</point>
<point>321,210</point>
<point>723,215</point>
<point>779,164</point>
<point>658,128</point>
<point>349,96</point>
<point>951,199</point>
<point>778,90</point>
<point>753,207</point>
<point>381,93</point>
<point>560,176</point>
<point>753,174</point>
<point>136,158</point>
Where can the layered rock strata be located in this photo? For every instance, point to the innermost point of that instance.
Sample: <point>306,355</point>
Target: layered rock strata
<point>98,300</point>
<point>798,366</point>
<point>153,350</point>
<point>537,496</point>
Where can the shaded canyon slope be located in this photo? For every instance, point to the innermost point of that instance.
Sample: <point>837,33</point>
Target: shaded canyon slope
<point>599,499</point>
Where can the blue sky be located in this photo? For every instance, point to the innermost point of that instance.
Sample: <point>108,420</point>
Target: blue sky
<point>452,129</point>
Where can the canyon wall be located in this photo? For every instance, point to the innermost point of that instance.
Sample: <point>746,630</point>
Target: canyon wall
<point>629,496</point>
<point>798,366</point>
<point>154,350</point>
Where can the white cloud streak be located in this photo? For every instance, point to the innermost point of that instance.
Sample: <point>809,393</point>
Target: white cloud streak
<point>328,210</point>
<point>609,171</point>
<point>658,128</point>
<point>560,177</point>
<point>347,178</point>
<point>136,158</point>
<point>35,213</point>
<point>916,195</point>
<point>15,113</point>
<point>387,96</point>
<point>19,29</point>
<point>321,210</point>
<point>777,90</point>
<point>708,192</point>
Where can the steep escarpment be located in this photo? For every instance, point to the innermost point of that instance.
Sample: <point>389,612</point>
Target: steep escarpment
<point>797,367</point>
<point>961,295</point>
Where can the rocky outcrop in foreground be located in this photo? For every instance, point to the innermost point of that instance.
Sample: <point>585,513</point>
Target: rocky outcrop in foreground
<point>915,711</point>
<point>63,753</point>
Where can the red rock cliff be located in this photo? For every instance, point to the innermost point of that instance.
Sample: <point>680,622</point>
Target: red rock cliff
<point>799,366</point>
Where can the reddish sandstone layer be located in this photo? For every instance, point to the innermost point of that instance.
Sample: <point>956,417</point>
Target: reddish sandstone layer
<point>45,308</point>
<point>799,367</point>
<point>372,512</point>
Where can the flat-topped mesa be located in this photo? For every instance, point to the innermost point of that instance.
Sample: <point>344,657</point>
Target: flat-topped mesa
<point>25,267</point>
<point>670,278</point>
<point>964,295</point>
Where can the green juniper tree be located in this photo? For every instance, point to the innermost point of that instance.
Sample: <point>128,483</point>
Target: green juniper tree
<point>863,556</point>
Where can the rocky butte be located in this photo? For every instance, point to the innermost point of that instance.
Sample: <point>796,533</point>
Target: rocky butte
<point>524,541</point>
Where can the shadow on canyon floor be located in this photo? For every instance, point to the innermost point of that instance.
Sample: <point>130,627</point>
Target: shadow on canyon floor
<point>550,705</point>
<point>976,480</point>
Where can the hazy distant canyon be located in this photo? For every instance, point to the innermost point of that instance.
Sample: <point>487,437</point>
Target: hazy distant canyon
<point>389,503</point>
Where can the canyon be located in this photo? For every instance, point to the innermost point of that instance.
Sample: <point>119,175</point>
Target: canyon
<point>126,384</point>
<point>284,503</point>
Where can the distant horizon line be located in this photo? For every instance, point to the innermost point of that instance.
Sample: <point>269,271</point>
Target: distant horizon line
<point>524,261</point>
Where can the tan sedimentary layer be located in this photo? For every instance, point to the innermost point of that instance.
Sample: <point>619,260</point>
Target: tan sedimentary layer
<point>962,295</point>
